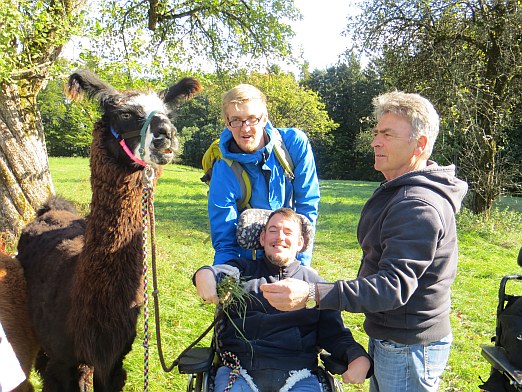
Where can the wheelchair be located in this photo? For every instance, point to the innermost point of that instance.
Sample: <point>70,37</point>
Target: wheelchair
<point>201,363</point>
<point>505,376</point>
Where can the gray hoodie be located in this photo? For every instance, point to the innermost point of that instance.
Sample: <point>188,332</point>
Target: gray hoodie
<point>408,236</point>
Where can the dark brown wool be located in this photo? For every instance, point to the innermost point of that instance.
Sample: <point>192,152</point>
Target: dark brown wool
<point>84,276</point>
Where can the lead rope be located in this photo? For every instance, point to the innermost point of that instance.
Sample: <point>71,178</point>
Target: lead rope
<point>148,184</point>
<point>232,361</point>
<point>148,211</point>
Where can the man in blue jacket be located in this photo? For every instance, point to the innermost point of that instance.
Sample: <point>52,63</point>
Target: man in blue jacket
<point>268,350</point>
<point>249,139</point>
<point>408,236</point>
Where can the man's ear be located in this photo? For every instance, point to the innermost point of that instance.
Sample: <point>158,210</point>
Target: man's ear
<point>421,145</point>
<point>264,119</point>
<point>300,243</point>
<point>262,238</point>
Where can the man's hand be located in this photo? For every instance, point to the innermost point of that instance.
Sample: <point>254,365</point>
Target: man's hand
<point>288,294</point>
<point>357,371</point>
<point>207,287</point>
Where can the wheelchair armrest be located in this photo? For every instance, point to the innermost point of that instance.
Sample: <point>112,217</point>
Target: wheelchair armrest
<point>196,360</point>
<point>333,365</point>
<point>498,359</point>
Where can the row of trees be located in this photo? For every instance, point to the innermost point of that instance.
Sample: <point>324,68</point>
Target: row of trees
<point>333,106</point>
<point>465,57</point>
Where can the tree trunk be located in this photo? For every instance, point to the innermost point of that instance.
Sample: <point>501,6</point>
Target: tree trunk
<point>485,186</point>
<point>25,179</point>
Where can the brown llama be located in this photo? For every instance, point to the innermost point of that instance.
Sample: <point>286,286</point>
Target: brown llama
<point>14,316</point>
<point>84,277</point>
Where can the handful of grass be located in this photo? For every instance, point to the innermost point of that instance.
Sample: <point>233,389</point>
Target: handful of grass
<point>231,293</point>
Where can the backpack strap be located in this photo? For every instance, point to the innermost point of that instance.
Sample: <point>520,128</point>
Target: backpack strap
<point>284,158</point>
<point>244,183</point>
<point>282,155</point>
<point>207,162</point>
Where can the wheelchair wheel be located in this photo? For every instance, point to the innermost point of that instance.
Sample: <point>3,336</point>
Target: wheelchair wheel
<point>197,382</point>
<point>201,382</point>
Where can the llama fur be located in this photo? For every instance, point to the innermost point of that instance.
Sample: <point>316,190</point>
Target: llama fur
<point>84,276</point>
<point>14,315</point>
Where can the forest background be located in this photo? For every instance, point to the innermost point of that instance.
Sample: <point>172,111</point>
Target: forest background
<point>465,57</point>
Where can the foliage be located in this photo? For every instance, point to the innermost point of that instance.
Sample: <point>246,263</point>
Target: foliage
<point>289,105</point>
<point>467,58</point>
<point>181,217</point>
<point>68,125</point>
<point>501,227</point>
<point>32,35</point>
<point>347,91</point>
<point>196,143</point>
<point>199,121</point>
<point>31,38</point>
<point>151,36</point>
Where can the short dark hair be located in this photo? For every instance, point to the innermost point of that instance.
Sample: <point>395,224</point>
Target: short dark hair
<point>289,214</point>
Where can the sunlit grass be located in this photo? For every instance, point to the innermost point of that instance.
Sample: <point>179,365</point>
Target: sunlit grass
<point>487,253</point>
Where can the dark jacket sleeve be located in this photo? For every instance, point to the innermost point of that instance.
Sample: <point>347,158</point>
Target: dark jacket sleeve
<point>409,242</point>
<point>338,340</point>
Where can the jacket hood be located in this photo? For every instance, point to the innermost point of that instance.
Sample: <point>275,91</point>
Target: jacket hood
<point>440,179</point>
<point>256,157</point>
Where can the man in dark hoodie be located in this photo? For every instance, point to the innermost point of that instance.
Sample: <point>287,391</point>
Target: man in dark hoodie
<point>408,236</point>
<point>268,350</point>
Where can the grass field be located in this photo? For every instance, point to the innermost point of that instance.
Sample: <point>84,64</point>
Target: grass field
<point>488,250</point>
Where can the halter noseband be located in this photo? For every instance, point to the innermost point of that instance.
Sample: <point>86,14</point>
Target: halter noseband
<point>142,133</point>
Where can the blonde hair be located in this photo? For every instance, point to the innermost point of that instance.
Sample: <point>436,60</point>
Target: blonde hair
<point>420,113</point>
<point>240,94</point>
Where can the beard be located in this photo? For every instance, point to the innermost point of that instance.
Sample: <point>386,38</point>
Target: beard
<point>280,261</point>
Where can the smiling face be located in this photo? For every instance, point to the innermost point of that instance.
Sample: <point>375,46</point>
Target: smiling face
<point>282,239</point>
<point>394,151</point>
<point>249,138</point>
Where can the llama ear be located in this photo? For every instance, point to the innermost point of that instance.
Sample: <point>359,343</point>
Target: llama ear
<point>86,82</point>
<point>185,88</point>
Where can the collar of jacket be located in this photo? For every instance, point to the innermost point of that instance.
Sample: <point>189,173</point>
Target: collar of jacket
<point>285,272</point>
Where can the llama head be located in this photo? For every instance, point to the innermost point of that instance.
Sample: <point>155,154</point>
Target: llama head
<point>136,125</point>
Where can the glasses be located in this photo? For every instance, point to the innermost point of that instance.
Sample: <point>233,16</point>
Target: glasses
<point>239,123</point>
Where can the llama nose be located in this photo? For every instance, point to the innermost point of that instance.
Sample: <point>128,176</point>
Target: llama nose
<point>164,129</point>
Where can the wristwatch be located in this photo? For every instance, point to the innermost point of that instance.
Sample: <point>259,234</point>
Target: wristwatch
<point>311,302</point>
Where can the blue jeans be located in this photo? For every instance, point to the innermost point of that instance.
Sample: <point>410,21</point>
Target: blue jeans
<point>309,384</point>
<point>408,368</point>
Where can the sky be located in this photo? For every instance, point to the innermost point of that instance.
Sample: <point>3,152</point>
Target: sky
<point>319,33</point>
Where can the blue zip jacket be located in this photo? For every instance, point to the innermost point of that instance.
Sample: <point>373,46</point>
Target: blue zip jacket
<point>271,189</point>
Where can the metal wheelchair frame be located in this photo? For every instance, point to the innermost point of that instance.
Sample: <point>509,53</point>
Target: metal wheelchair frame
<point>200,364</point>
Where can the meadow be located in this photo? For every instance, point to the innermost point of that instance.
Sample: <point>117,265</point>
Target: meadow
<point>488,251</point>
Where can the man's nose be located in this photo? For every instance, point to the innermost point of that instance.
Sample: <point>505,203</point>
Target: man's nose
<point>376,141</point>
<point>280,234</point>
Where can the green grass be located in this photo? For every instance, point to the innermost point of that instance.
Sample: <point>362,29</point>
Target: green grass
<point>487,252</point>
